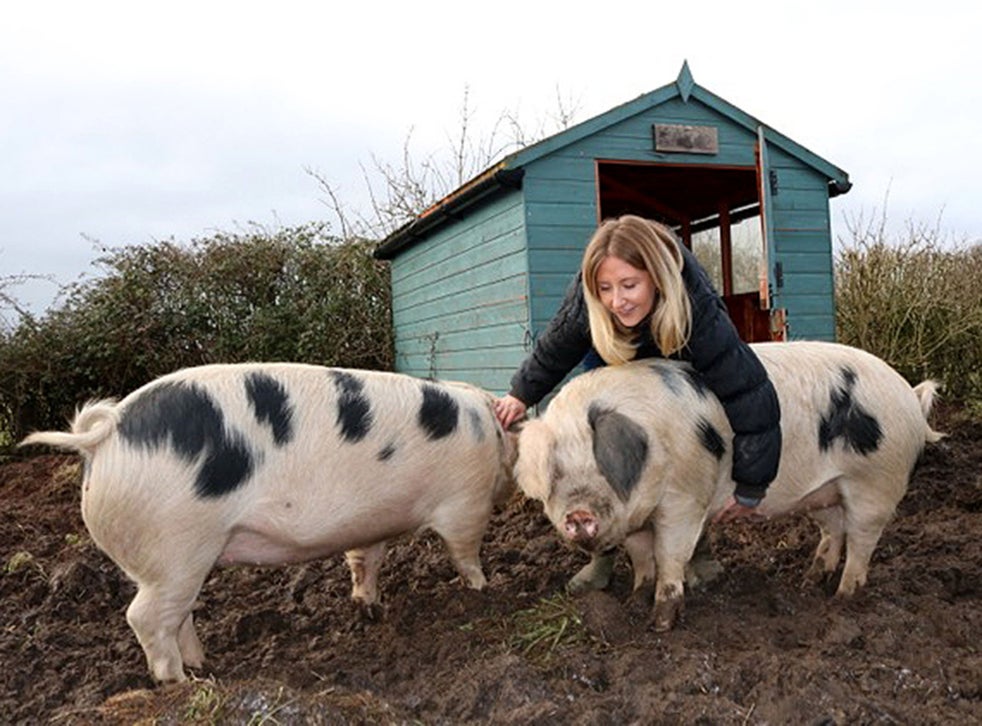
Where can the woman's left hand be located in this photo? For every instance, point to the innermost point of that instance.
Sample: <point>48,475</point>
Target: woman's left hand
<point>734,510</point>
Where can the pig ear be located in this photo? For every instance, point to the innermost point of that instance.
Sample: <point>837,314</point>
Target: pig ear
<point>535,445</point>
<point>620,447</point>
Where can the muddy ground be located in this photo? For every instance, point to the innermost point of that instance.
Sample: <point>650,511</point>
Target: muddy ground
<point>286,646</point>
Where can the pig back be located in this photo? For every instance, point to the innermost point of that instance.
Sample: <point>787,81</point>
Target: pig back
<point>842,409</point>
<point>320,457</point>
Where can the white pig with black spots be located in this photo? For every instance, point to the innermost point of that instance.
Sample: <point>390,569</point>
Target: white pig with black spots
<point>639,455</point>
<point>273,463</point>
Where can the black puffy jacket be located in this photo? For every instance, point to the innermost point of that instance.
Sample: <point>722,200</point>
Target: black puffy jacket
<point>727,365</point>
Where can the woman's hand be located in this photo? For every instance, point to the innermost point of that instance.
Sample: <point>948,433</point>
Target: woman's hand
<point>734,510</point>
<point>508,409</point>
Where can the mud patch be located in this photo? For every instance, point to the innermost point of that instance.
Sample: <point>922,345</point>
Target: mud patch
<point>285,645</point>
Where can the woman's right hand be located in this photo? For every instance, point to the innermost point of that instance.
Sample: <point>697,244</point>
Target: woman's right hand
<point>508,409</point>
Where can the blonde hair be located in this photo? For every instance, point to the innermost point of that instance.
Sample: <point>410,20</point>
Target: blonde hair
<point>648,246</point>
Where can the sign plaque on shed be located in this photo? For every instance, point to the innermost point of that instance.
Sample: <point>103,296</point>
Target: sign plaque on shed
<point>686,139</point>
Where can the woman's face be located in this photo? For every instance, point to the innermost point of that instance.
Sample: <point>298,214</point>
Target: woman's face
<point>627,292</point>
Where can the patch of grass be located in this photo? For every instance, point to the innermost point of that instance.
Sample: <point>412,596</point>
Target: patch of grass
<point>205,703</point>
<point>538,632</point>
<point>265,710</point>
<point>21,560</point>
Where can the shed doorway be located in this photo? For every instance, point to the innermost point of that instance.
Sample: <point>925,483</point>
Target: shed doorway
<point>715,210</point>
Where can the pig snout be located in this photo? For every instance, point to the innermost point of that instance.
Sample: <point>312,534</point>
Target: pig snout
<point>581,526</point>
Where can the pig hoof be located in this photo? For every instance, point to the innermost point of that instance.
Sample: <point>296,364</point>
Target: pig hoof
<point>663,623</point>
<point>666,613</point>
<point>643,595</point>
<point>846,593</point>
<point>701,572</point>
<point>368,612</point>
<point>595,575</point>
<point>818,576</point>
<point>577,587</point>
<point>580,585</point>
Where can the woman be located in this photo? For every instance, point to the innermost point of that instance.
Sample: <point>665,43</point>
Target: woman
<point>642,294</point>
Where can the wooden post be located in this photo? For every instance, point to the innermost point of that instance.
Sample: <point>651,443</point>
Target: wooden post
<point>726,248</point>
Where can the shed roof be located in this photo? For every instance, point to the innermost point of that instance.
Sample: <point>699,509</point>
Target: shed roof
<point>508,173</point>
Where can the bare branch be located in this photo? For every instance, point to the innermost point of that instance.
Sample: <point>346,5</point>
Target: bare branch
<point>333,202</point>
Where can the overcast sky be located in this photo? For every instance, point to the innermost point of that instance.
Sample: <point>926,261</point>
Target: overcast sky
<point>129,122</point>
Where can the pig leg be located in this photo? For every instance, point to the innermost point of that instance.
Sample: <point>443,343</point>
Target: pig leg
<point>678,527</point>
<point>860,542</point>
<point>865,519</point>
<point>831,522</point>
<point>462,533</point>
<point>465,555</point>
<point>364,564</point>
<point>703,568</point>
<point>640,548</point>
<point>160,616</point>
<point>700,571</point>
<point>595,575</point>
<point>191,649</point>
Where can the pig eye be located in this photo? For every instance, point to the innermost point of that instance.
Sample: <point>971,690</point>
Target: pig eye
<point>556,470</point>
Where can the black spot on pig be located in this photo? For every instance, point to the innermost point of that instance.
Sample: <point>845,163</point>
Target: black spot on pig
<point>438,413</point>
<point>695,382</point>
<point>271,404</point>
<point>620,447</point>
<point>677,378</point>
<point>848,421</point>
<point>477,426</point>
<point>669,377</point>
<point>354,409</point>
<point>711,439</point>
<point>186,418</point>
<point>386,453</point>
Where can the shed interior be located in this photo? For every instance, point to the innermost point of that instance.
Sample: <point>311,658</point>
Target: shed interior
<point>693,199</point>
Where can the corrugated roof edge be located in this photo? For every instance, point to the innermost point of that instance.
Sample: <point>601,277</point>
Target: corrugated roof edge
<point>488,182</point>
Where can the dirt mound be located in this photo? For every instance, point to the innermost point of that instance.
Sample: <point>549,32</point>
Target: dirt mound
<point>285,645</point>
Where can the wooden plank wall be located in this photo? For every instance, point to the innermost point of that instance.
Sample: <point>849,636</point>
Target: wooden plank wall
<point>803,246</point>
<point>459,300</point>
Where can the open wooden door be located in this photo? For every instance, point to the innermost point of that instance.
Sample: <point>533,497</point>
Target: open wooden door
<point>769,274</point>
<point>698,200</point>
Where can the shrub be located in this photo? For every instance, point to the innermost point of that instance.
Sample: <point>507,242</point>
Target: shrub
<point>295,294</point>
<point>916,303</point>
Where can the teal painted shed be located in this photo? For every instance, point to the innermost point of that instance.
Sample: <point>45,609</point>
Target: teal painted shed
<point>476,276</point>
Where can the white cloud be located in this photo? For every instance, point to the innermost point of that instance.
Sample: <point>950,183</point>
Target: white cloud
<point>129,122</point>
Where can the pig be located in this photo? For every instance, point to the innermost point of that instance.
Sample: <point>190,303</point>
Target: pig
<point>640,455</point>
<point>270,463</point>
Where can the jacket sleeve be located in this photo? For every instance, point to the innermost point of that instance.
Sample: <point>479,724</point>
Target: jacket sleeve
<point>557,350</point>
<point>736,376</point>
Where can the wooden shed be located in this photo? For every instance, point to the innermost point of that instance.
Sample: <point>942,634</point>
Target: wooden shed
<point>477,275</point>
